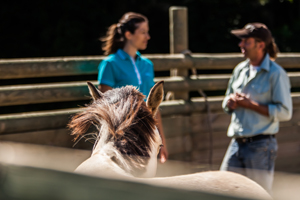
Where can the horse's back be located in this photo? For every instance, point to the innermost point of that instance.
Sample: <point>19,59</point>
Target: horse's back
<point>222,182</point>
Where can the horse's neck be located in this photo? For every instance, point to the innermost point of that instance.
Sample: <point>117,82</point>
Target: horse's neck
<point>105,157</point>
<point>104,151</point>
<point>100,164</point>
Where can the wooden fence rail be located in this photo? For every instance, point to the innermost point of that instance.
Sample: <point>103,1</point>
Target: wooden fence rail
<point>74,91</point>
<point>43,93</point>
<point>57,119</point>
<point>68,66</point>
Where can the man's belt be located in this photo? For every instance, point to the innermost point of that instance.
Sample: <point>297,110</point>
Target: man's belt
<point>254,138</point>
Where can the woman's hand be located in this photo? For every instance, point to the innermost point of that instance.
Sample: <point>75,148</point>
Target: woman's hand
<point>163,154</point>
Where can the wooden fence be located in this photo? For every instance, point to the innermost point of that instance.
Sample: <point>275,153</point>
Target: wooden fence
<point>185,122</point>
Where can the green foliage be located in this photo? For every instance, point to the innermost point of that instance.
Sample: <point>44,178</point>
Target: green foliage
<point>70,28</point>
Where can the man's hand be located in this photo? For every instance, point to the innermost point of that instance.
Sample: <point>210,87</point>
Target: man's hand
<point>243,100</point>
<point>231,103</point>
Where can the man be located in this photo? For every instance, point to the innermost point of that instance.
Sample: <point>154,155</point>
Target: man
<point>258,98</point>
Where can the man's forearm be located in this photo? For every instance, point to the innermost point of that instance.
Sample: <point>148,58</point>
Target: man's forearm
<point>259,108</point>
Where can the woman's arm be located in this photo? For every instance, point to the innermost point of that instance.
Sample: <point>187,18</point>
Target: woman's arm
<point>163,151</point>
<point>104,88</point>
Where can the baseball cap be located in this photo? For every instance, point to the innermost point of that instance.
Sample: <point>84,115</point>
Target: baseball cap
<point>256,30</point>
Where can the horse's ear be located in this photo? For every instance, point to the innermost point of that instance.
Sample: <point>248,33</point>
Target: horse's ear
<point>96,94</point>
<point>155,97</point>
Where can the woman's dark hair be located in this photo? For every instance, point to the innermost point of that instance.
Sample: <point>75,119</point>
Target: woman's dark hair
<point>115,37</point>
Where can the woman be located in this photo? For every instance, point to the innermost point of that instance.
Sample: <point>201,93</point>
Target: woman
<point>125,65</point>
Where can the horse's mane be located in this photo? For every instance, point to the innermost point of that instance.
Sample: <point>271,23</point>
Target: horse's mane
<point>124,121</point>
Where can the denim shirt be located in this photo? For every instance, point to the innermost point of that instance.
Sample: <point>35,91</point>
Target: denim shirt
<point>269,86</point>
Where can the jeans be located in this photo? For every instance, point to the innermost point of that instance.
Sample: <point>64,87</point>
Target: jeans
<point>255,160</point>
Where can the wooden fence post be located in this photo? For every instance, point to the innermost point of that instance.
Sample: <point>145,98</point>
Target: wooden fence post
<point>179,41</point>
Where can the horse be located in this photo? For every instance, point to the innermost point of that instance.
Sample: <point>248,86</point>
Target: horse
<point>127,143</point>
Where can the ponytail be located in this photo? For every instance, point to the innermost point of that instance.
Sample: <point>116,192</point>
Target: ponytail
<point>113,40</point>
<point>115,37</point>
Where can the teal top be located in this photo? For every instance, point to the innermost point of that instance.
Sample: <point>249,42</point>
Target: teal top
<point>119,70</point>
<point>269,86</point>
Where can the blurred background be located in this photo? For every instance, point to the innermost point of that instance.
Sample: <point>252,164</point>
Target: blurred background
<point>72,28</point>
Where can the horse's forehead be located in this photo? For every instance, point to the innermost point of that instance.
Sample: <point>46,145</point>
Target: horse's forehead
<point>116,95</point>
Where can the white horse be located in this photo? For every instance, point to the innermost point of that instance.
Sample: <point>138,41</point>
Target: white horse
<point>128,143</point>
